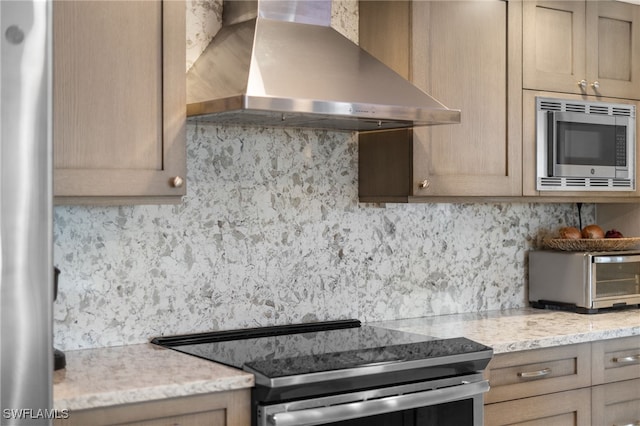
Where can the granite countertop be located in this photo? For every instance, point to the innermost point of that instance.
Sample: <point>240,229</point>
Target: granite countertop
<point>137,373</point>
<point>522,329</point>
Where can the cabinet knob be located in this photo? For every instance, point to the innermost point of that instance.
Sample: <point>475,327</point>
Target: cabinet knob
<point>177,182</point>
<point>582,84</point>
<point>595,85</point>
<point>424,184</point>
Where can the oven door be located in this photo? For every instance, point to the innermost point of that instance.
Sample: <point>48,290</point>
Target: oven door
<point>614,281</point>
<point>453,401</point>
<point>587,145</point>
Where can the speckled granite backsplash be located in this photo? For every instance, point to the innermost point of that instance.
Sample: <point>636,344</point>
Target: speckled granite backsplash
<point>271,232</point>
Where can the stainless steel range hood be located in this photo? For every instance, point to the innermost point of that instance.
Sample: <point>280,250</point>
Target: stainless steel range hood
<point>279,63</point>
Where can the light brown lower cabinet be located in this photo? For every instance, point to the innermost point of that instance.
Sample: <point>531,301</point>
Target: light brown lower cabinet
<point>594,383</point>
<point>615,360</point>
<point>560,408</point>
<point>230,408</point>
<point>616,403</point>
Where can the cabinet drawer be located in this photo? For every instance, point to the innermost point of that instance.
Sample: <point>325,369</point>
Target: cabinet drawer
<point>616,359</point>
<point>616,403</point>
<point>208,418</point>
<point>536,372</point>
<point>559,409</point>
<point>229,408</point>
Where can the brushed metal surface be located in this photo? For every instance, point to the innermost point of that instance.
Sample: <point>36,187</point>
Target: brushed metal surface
<point>288,67</point>
<point>26,289</point>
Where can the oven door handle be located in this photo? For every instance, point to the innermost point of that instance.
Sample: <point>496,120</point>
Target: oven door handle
<point>353,410</point>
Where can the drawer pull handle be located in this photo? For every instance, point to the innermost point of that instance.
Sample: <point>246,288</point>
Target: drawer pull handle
<point>531,374</point>
<point>627,359</point>
<point>636,423</point>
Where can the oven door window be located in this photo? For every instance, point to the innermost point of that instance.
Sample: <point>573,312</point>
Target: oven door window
<point>616,280</point>
<point>586,144</point>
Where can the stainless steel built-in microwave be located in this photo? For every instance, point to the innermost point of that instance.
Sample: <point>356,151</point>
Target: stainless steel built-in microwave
<point>584,281</point>
<point>584,145</point>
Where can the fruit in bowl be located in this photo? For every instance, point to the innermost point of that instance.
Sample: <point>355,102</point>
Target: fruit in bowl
<point>613,233</point>
<point>570,233</point>
<point>592,231</point>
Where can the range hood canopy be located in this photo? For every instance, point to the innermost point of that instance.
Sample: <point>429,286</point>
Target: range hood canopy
<point>279,63</point>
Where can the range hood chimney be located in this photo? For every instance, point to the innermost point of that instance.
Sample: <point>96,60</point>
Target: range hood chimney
<point>279,63</point>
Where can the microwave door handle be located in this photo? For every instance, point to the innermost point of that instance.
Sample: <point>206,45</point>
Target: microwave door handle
<point>551,143</point>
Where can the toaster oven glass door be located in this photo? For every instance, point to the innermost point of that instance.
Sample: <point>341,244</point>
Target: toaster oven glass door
<point>616,278</point>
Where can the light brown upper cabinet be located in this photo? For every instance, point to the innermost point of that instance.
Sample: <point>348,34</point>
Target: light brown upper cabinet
<point>590,48</point>
<point>119,101</point>
<point>467,54</point>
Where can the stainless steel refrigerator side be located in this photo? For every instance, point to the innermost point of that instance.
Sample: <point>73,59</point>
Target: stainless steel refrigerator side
<point>26,287</point>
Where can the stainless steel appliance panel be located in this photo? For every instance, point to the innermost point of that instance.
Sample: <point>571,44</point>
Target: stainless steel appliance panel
<point>549,281</point>
<point>585,145</point>
<point>587,281</point>
<point>405,404</point>
<point>26,271</point>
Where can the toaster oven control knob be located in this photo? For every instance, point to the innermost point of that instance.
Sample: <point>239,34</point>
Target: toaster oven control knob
<point>595,85</point>
<point>424,184</point>
<point>177,182</point>
<point>582,84</point>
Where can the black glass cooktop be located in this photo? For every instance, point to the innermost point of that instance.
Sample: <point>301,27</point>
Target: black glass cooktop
<point>285,351</point>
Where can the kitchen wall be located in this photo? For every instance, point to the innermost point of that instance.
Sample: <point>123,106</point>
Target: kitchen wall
<point>271,232</point>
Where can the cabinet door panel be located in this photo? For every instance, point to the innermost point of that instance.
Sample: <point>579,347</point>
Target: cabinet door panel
<point>561,368</point>
<point>226,408</point>
<point>118,93</point>
<point>616,359</point>
<point>613,49</point>
<point>210,418</point>
<point>105,100</point>
<point>554,45</point>
<point>472,65</point>
<point>562,408</point>
<point>616,403</point>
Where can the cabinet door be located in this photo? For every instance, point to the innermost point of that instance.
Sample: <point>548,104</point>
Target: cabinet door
<point>467,54</point>
<point>616,403</point>
<point>554,46</point>
<point>616,359</point>
<point>207,418</point>
<point>534,372</point>
<point>572,408</point>
<point>119,99</point>
<point>613,49</point>
<point>226,408</point>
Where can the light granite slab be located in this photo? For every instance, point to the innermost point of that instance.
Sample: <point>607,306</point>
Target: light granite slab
<point>521,329</point>
<point>138,373</point>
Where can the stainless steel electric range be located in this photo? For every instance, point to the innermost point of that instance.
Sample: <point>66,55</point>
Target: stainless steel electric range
<point>345,373</point>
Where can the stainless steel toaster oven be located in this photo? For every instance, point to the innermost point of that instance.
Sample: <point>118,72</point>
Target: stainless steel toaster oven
<point>584,281</point>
